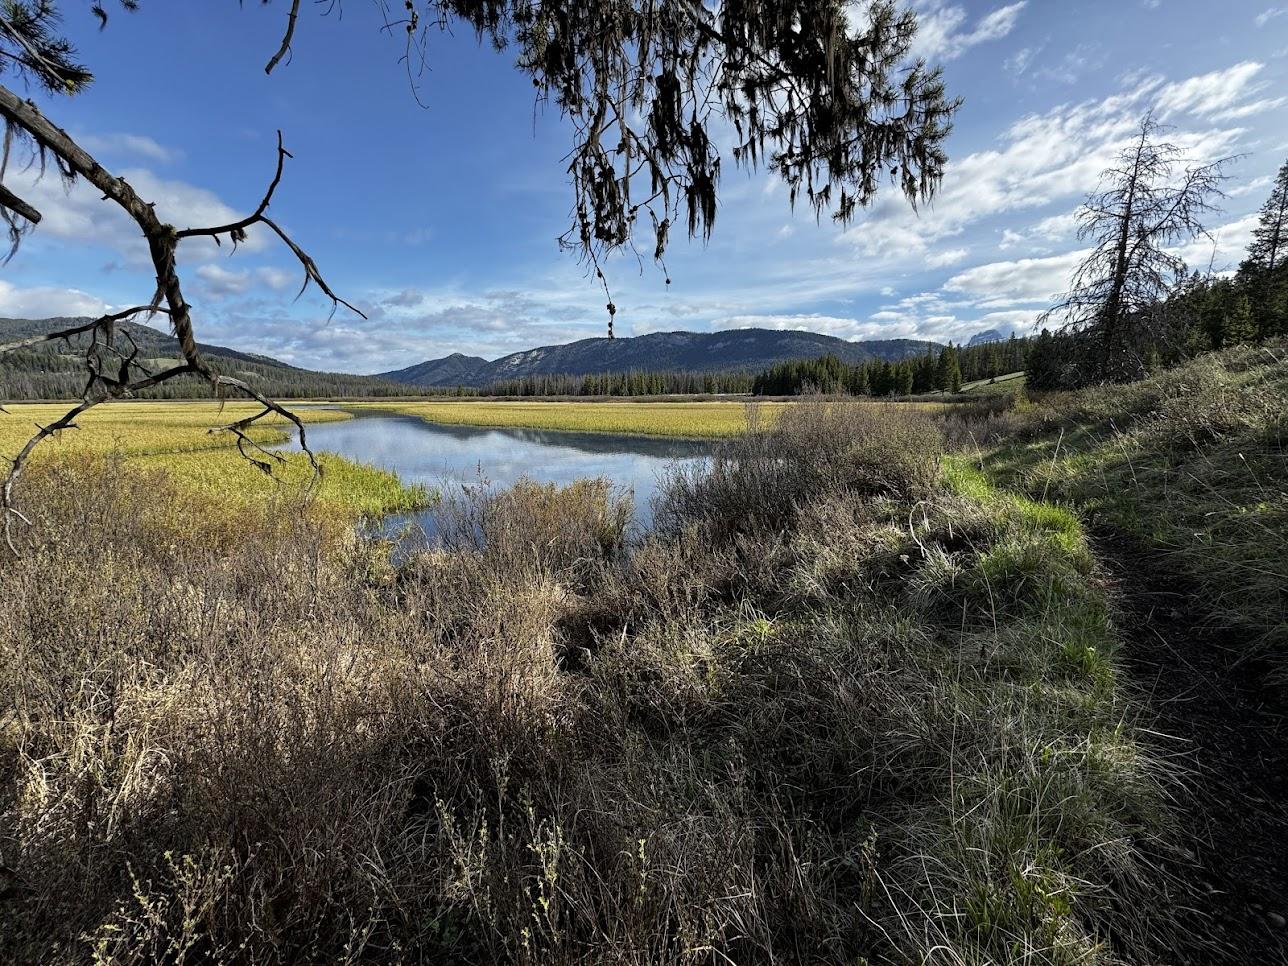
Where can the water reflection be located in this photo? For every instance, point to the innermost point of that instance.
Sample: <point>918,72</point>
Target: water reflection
<point>440,456</point>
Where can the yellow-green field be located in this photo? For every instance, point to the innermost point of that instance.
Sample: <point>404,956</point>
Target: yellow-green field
<point>693,420</point>
<point>176,437</point>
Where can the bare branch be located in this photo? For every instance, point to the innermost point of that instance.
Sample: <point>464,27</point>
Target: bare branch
<point>78,329</point>
<point>19,207</point>
<point>285,48</point>
<point>112,373</point>
<point>19,462</point>
<point>269,407</point>
<point>237,229</point>
<point>311,273</point>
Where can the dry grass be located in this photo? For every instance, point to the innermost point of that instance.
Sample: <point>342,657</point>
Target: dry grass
<point>878,718</point>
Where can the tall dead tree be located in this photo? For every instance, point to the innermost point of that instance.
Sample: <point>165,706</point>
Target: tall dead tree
<point>1148,203</point>
<point>821,92</point>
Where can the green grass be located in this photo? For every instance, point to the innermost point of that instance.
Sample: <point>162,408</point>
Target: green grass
<point>1191,462</point>
<point>1010,382</point>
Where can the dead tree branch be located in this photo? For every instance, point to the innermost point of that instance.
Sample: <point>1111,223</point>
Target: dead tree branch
<point>19,207</point>
<point>285,48</point>
<point>114,373</point>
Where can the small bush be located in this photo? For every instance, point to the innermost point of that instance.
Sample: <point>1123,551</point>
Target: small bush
<point>538,527</point>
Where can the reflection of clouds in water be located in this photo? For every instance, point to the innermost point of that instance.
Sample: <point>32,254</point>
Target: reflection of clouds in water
<point>435,455</point>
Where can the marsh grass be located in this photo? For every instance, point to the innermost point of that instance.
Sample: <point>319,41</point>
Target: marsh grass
<point>874,717</point>
<point>176,438</point>
<point>692,420</point>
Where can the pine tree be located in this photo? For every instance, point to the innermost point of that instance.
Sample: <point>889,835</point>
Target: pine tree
<point>948,372</point>
<point>1043,370</point>
<point>1269,248</point>
<point>1239,324</point>
<point>1264,273</point>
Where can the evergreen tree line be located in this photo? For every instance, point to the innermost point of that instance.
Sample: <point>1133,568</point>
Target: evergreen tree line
<point>944,371</point>
<point>623,384</point>
<point>1252,306</point>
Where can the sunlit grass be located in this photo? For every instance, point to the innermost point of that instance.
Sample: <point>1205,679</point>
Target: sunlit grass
<point>177,438</point>
<point>693,420</point>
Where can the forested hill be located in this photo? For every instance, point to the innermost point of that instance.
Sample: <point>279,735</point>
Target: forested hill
<point>56,370</point>
<point>736,350</point>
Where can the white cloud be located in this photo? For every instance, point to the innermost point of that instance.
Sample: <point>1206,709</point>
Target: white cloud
<point>1054,158</point>
<point>1251,187</point>
<point>42,302</point>
<point>80,214</point>
<point>1270,14</point>
<point>1219,95</point>
<point>945,258</point>
<point>943,33</point>
<point>1224,250</point>
<point>1022,281</point>
<point>1020,61</point>
<point>127,145</point>
<point>220,281</point>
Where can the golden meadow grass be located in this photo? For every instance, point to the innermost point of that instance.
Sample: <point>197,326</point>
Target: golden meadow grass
<point>693,420</point>
<point>176,438</point>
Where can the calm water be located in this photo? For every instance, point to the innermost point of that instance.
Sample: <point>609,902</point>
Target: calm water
<point>446,457</point>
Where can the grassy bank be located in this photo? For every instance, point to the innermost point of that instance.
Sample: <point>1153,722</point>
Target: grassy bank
<point>843,704</point>
<point>692,420</point>
<point>176,438</point>
<point>1191,461</point>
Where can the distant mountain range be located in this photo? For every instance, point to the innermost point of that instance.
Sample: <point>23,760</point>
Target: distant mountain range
<point>988,335</point>
<point>732,350</point>
<point>56,370</point>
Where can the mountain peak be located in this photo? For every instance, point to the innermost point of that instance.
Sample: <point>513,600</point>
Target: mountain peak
<point>988,335</point>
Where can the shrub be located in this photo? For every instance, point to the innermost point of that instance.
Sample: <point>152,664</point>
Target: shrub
<point>816,448</point>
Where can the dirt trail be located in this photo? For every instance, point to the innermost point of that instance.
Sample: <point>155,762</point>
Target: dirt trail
<point>1231,729</point>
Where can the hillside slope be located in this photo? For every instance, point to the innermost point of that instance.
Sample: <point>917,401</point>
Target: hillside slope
<point>56,370</point>
<point>734,350</point>
<point>1184,479</point>
<point>1192,462</point>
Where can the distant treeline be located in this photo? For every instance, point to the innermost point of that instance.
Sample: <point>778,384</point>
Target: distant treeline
<point>45,374</point>
<point>624,384</point>
<point>945,370</point>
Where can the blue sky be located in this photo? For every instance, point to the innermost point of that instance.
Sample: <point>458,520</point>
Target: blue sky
<point>440,221</point>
